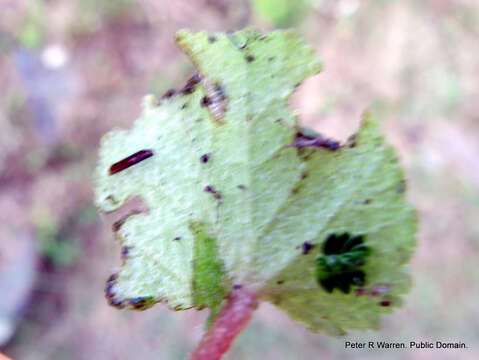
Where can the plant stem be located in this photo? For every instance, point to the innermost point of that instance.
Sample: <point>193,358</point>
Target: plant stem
<point>233,317</point>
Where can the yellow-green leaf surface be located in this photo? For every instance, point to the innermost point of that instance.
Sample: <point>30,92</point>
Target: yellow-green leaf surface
<point>239,194</point>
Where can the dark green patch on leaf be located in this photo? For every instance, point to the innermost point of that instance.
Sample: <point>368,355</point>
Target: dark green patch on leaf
<point>340,265</point>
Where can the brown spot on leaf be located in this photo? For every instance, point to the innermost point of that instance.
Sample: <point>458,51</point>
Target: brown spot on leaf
<point>351,142</point>
<point>304,141</point>
<point>210,189</point>
<point>361,291</point>
<point>211,39</point>
<point>125,250</point>
<point>110,295</point>
<point>169,94</point>
<point>191,84</point>
<point>249,58</point>
<point>205,101</point>
<point>140,303</point>
<point>109,286</point>
<point>119,304</point>
<point>113,277</point>
<point>205,158</point>
<point>384,303</point>
<point>307,247</point>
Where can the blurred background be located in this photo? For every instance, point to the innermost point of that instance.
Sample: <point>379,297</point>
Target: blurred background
<point>70,70</point>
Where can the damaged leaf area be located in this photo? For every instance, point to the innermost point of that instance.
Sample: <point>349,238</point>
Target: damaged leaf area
<point>239,195</point>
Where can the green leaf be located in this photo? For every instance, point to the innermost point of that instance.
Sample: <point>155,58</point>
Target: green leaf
<point>208,274</point>
<point>240,195</point>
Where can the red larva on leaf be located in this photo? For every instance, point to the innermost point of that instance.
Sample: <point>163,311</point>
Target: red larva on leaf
<point>130,161</point>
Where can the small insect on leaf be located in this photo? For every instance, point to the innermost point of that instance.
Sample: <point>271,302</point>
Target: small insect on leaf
<point>130,161</point>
